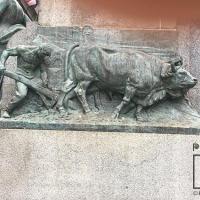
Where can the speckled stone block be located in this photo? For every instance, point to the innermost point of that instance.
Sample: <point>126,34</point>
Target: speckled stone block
<point>53,165</point>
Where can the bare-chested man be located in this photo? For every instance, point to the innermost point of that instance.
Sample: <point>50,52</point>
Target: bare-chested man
<point>30,64</point>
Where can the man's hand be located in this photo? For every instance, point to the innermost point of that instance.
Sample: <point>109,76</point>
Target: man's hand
<point>45,82</point>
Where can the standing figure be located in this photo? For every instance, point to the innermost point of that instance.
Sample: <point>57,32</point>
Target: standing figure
<point>87,35</point>
<point>31,65</point>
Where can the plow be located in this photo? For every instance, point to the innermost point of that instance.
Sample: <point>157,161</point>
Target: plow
<point>48,96</point>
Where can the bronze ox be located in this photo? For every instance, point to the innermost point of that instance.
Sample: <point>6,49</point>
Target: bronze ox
<point>142,78</point>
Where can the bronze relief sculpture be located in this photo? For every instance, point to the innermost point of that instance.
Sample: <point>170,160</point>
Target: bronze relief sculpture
<point>74,76</point>
<point>141,78</point>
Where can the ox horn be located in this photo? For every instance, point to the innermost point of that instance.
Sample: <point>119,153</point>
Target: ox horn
<point>174,63</point>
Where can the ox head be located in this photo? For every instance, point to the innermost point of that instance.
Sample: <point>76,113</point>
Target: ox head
<point>178,81</point>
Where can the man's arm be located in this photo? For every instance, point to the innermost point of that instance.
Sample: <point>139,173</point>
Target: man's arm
<point>5,55</point>
<point>43,74</point>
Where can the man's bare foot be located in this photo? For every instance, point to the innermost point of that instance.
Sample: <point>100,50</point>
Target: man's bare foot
<point>115,114</point>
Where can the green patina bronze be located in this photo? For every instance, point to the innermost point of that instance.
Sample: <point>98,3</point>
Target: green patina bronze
<point>12,19</point>
<point>31,68</point>
<point>88,76</point>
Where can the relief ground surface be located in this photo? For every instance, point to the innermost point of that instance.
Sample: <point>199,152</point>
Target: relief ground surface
<point>168,118</point>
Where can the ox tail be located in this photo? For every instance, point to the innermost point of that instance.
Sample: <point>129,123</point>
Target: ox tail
<point>67,61</point>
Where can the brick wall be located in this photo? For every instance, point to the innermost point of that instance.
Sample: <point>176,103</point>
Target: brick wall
<point>71,13</point>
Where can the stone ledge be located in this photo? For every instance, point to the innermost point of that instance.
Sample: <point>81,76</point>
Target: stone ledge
<point>127,128</point>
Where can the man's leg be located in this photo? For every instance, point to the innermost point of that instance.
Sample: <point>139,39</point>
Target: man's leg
<point>20,94</point>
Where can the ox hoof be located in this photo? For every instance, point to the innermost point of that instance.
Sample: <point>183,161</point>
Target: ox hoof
<point>87,111</point>
<point>5,115</point>
<point>115,115</point>
<point>61,110</point>
<point>63,113</point>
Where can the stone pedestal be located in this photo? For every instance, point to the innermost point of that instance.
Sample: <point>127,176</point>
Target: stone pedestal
<point>83,165</point>
<point>53,165</point>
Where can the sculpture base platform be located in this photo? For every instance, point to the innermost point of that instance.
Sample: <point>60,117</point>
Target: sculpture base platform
<point>100,122</point>
<point>175,117</point>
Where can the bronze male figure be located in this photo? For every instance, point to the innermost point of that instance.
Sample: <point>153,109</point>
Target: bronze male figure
<point>31,65</point>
